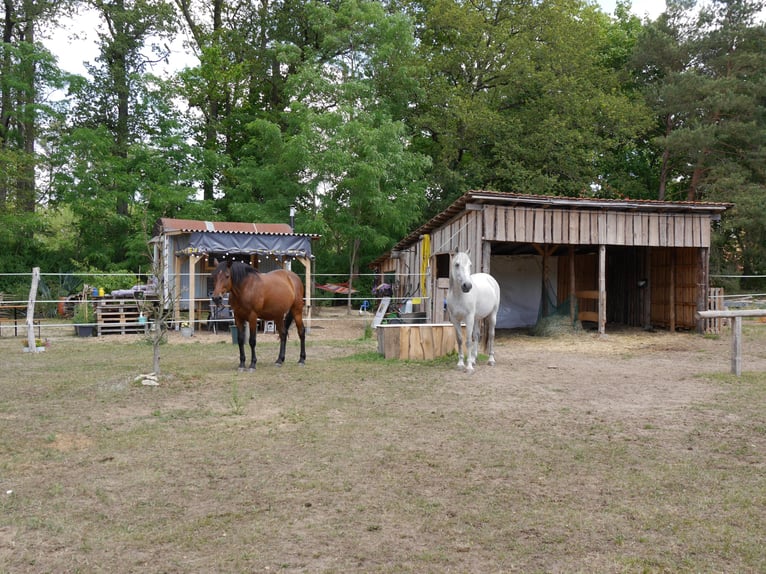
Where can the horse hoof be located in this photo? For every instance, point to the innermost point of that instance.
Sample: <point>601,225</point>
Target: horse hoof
<point>491,363</point>
<point>301,363</point>
<point>251,370</point>
<point>241,369</point>
<point>278,364</point>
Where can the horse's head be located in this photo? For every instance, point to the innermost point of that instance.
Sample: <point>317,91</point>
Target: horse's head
<point>461,271</point>
<point>221,277</point>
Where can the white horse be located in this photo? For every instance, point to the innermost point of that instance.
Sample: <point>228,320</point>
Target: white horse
<point>471,298</point>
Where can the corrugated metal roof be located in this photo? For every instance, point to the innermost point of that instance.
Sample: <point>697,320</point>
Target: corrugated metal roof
<point>544,201</point>
<point>175,226</point>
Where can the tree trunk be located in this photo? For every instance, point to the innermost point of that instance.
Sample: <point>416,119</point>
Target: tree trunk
<point>354,269</point>
<point>27,197</point>
<point>665,167</point>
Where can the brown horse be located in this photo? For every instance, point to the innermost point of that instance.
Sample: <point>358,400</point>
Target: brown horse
<point>275,296</point>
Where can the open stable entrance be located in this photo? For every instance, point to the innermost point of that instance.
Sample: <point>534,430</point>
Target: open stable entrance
<point>631,262</point>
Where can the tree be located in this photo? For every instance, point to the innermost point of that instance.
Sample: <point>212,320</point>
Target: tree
<point>522,97</point>
<point>704,74</point>
<point>123,147</point>
<point>366,176</point>
<point>27,73</point>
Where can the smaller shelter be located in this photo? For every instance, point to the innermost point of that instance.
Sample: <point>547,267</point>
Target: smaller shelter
<point>186,250</point>
<point>632,262</point>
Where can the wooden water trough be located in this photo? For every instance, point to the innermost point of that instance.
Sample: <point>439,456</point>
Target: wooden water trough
<point>736,331</point>
<point>419,341</point>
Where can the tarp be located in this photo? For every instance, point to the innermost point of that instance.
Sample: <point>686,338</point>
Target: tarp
<point>247,243</point>
<point>520,279</point>
<point>339,288</point>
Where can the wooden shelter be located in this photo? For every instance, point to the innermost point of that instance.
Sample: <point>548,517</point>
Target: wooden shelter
<point>632,262</point>
<point>185,250</point>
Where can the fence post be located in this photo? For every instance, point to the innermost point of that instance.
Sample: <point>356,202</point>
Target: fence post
<point>736,346</point>
<point>736,331</point>
<point>31,310</point>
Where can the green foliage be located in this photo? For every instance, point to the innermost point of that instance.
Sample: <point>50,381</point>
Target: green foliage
<point>370,117</point>
<point>83,314</point>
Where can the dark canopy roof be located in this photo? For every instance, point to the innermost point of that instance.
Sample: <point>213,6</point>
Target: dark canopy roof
<point>201,237</point>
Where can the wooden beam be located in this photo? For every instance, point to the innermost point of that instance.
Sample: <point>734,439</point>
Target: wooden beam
<point>193,259</point>
<point>732,313</point>
<point>647,319</point>
<point>177,287</point>
<point>736,346</point>
<point>736,331</point>
<point>702,284</point>
<point>601,289</point>
<point>308,289</point>
<point>572,284</point>
<point>672,295</point>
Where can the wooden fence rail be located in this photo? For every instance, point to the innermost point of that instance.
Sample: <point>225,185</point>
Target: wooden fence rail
<point>736,331</point>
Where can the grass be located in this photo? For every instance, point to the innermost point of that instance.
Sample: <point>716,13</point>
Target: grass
<point>358,464</point>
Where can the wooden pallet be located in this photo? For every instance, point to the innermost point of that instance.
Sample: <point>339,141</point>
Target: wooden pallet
<point>118,316</point>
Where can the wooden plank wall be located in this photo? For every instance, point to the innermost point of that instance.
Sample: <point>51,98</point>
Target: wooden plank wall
<point>685,290</point>
<point>587,227</point>
<point>684,232</point>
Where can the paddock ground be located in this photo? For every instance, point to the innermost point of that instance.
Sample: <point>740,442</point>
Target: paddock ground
<point>634,452</point>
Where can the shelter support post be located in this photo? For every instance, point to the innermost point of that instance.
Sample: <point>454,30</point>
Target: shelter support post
<point>486,254</point>
<point>545,252</point>
<point>703,282</point>
<point>601,289</point>
<point>177,290</point>
<point>193,259</point>
<point>308,288</point>
<point>572,285</point>
<point>647,317</point>
<point>672,294</point>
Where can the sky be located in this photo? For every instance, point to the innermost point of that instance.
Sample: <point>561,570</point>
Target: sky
<point>641,8</point>
<point>71,53</point>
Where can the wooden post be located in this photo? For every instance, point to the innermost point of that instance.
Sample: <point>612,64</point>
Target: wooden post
<point>193,259</point>
<point>545,310</point>
<point>31,310</point>
<point>601,289</point>
<point>702,284</point>
<point>736,331</point>
<point>572,286</point>
<point>672,295</point>
<point>307,288</point>
<point>486,253</point>
<point>736,346</point>
<point>177,287</point>
<point>648,289</point>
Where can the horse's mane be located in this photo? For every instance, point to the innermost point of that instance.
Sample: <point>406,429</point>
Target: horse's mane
<point>239,271</point>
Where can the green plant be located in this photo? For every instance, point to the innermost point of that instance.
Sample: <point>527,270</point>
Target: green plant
<point>83,313</point>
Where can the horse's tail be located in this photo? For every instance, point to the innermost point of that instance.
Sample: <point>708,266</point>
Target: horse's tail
<point>288,320</point>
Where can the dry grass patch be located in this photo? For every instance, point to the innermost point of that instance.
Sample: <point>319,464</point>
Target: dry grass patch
<point>631,453</point>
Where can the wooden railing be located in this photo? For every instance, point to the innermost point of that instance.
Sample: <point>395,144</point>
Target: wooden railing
<point>736,331</point>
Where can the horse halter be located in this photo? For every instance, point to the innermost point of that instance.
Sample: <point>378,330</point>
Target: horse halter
<point>218,299</point>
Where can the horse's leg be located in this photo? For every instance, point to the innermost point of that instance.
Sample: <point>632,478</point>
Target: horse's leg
<point>253,330</point>
<point>472,332</point>
<point>302,335</point>
<point>459,337</point>
<point>282,330</point>
<point>241,343</point>
<point>491,321</point>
